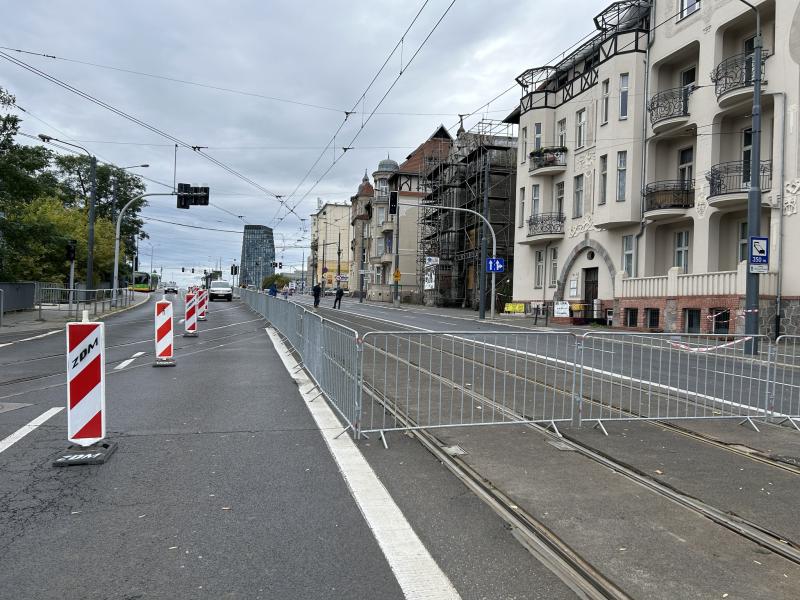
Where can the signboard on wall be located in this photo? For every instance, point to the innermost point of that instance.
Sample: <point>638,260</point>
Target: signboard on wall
<point>561,309</point>
<point>430,279</point>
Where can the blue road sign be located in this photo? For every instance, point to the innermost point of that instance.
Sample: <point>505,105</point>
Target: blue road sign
<point>495,265</point>
<point>759,251</point>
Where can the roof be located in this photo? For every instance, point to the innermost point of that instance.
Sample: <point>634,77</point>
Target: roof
<point>365,189</point>
<point>436,146</point>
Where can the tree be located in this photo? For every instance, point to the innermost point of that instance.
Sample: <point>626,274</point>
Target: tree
<point>278,280</point>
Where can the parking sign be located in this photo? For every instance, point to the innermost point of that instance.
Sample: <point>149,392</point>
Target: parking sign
<point>759,255</point>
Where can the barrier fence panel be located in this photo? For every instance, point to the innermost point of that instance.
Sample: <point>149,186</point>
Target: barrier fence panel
<point>447,379</point>
<point>628,376</point>
<point>784,396</point>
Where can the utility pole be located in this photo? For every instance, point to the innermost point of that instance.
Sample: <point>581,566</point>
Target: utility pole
<point>90,237</point>
<point>751,316</point>
<point>484,239</point>
<point>396,249</point>
<point>339,259</point>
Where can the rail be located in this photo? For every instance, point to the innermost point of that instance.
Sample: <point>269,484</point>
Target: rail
<point>737,72</point>
<point>734,176</point>
<point>58,300</point>
<point>669,104</point>
<point>546,223</point>
<point>661,195</point>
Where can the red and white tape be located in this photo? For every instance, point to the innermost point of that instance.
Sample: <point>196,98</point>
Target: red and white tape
<point>86,383</point>
<point>163,327</point>
<point>702,349</point>
<point>190,315</point>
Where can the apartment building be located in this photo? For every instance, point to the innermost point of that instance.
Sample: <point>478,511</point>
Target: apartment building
<point>360,217</point>
<point>330,244</point>
<point>635,167</point>
<point>258,255</point>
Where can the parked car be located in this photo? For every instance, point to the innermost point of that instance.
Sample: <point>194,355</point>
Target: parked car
<point>220,289</point>
<point>171,288</point>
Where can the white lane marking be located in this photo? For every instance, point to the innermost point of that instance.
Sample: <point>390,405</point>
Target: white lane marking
<point>124,364</point>
<point>137,354</point>
<point>26,429</point>
<point>416,571</point>
<point>181,321</point>
<point>35,337</point>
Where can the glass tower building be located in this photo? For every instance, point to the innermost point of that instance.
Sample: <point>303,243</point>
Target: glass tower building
<point>258,254</point>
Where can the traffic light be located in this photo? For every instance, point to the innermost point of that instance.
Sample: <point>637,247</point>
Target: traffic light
<point>234,269</point>
<point>200,196</point>
<point>192,269</point>
<point>184,195</point>
<point>280,265</point>
<point>393,196</point>
<point>71,250</point>
<point>183,269</point>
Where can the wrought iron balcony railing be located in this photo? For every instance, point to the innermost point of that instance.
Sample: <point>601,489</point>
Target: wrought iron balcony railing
<point>548,157</point>
<point>736,72</point>
<point>669,104</point>
<point>668,194</point>
<point>734,176</point>
<point>546,223</point>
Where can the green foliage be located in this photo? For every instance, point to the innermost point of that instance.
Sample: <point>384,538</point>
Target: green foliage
<point>43,202</point>
<point>279,280</point>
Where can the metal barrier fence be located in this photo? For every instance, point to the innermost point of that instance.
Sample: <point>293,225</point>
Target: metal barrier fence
<point>328,351</point>
<point>72,301</point>
<point>399,380</point>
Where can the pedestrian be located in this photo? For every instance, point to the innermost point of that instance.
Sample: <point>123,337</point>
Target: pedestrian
<point>285,292</point>
<point>273,290</point>
<point>317,291</point>
<point>337,302</point>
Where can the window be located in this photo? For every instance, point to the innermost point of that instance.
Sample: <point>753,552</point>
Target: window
<point>553,267</point>
<point>535,199</point>
<point>651,318</point>
<point>524,137</point>
<point>562,133</point>
<point>742,253</point>
<point>537,136</point>
<point>682,250</point>
<point>577,205</point>
<point>381,214</point>
<point>622,171</point>
<point>521,207</point>
<point>539,276</point>
<point>623,96</point>
<point>631,317</point>
<point>580,128</point>
<point>688,7</point>
<point>383,187</point>
<point>720,320</point>
<point>380,246</point>
<point>691,320</point>
<point>603,178</point>
<point>604,103</point>
<point>559,199</point>
<point>627,255</point>
<point>747,153</point>
<point>686,165</point>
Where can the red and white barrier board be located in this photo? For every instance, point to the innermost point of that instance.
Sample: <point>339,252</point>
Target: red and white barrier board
<point>190,316</point>
<point>163,325</point>
<point>86,383</point>
<point>202,305</point>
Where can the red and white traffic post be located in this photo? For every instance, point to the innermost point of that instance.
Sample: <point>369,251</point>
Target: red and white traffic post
<point>86,396</point>
<point>202,305</point>
<point>190,316</point>
<point>163,328</point>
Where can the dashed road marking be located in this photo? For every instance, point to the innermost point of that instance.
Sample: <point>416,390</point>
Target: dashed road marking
<point>28,339</point>
<point>26,429</point>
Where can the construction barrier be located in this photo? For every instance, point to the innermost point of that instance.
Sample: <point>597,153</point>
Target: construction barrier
<point>202,305</point>
<point>86,390</point>
<point>190,315</point>
<point>163,334</point>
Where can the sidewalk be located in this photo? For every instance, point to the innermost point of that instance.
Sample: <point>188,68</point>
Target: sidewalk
<point>28,320</point>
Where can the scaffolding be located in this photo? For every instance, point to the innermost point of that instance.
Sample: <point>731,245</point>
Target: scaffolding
<point>458,178</point>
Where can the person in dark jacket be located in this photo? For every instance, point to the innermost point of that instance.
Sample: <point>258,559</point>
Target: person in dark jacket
<point>337,302</point>
<point>317,291</point>
<point>273,290</point>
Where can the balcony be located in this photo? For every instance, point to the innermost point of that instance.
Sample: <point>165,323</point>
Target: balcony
<point>669,109</point>
<point>545,227</point>
<point>668,199</point>
<point>733,78</point>
<point>387,226</point>
<point>729,184</point>
<point>379,259</point>
<point>548,161</point>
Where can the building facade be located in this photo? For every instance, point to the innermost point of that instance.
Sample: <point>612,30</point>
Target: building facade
<point>360,216</point>
<point>634,167</point>
<point>258,254</point>
<point>330,245</point>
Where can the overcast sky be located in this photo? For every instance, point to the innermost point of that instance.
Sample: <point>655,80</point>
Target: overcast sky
<point>323,53</point>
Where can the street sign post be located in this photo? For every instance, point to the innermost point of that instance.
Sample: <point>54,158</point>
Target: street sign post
<point>758,257</point>
<point>431,261</point>
<point>495,265</point>
<point>396,275</point>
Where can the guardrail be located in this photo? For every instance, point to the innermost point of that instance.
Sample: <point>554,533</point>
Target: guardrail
<point>72,301</point>
<point>400,380</point>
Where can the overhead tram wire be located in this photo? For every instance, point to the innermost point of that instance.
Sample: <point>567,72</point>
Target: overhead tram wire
<point>121,113</point>
<point>351,111</point>
<point>385,95</point>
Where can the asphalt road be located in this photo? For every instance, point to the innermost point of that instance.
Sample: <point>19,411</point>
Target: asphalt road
<point>222,486</point>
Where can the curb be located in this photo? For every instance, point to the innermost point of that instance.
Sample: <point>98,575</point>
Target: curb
<point>117,312</point>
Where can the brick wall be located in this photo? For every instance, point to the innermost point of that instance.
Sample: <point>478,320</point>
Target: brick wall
<point>672,312</point>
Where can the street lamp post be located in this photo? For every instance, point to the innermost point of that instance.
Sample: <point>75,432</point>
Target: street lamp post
<point>92,202</point>
<point>116,238</point>
<point>114,188</point>
<point>751,315</point>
